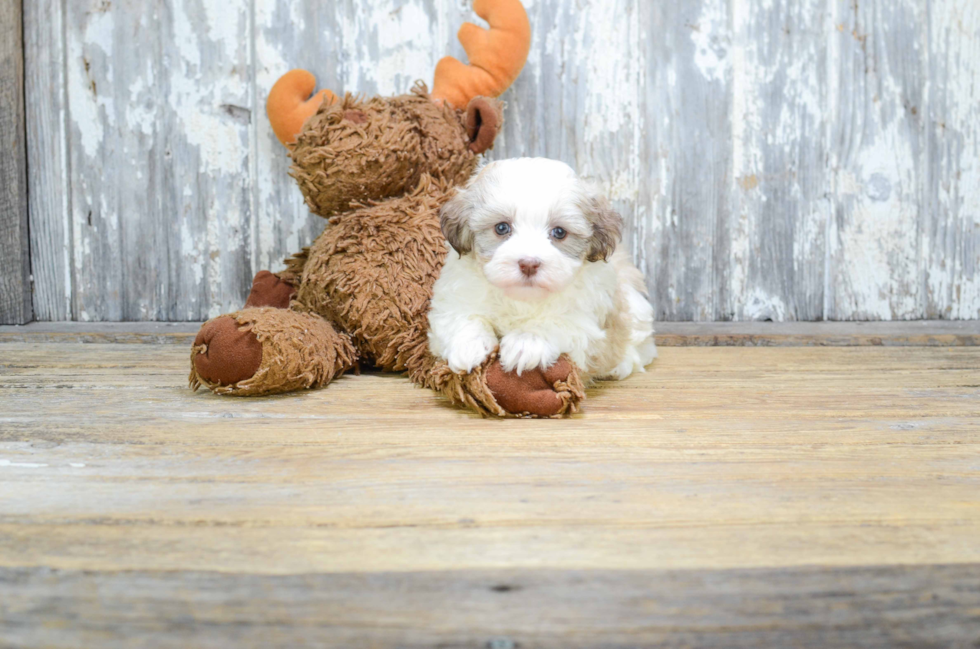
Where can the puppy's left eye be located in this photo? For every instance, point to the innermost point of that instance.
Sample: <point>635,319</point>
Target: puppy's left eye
<point>502,229</point>
<point>559,233</point>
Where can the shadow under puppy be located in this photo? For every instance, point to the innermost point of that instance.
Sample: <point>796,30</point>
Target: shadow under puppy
<point>538,275</point>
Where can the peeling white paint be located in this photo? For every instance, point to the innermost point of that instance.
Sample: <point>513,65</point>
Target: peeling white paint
<point>402,33</point>
<point>93,54</point>
<point>951,247</point>
<point>621,187</point>
<point>711,35</point>
<point>802,109</point>
<point>881,276</point>
<point>141,115</point>
<point>197,103</point>
<point>22,465</point>
<point>388,46</point>
<point>280,206</point>
<point>759,305</point>
<point>603,30</point>
<point>192,246</point>
<point>877,188</point>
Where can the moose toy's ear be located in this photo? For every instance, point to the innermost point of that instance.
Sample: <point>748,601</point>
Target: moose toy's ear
<point>496,54</point>
<point>484,119</point>
<point>289,104</point>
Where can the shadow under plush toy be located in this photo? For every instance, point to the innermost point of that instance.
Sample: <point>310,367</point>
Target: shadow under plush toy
<point>379,169</point>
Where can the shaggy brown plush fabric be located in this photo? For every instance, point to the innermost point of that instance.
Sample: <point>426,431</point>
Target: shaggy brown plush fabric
<point>379,170</point>
<point>373,270</point>
<point>299,350</point>
<point>339,162</point>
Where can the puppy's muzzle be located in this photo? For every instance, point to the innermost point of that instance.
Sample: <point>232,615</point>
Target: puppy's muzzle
<point>529,267</point>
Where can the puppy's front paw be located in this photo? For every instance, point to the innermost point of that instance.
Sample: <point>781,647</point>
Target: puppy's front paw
<point>470,350</point>
<point>521,351</point>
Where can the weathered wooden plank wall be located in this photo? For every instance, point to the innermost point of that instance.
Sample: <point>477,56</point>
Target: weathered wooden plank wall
<point>15,265</point>
<point>776,159</point>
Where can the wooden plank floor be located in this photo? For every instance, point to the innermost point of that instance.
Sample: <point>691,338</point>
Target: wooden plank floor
<point>731,496</point>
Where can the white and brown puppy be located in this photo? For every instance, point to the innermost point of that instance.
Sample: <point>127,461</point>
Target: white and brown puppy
<point>537,274</point>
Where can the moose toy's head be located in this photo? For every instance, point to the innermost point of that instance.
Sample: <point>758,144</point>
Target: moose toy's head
<point>350,150</point>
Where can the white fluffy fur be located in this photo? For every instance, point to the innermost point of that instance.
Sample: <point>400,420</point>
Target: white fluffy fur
<point>596,312</point>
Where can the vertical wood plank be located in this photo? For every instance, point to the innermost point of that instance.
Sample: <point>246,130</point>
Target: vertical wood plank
<point>780,180</point>
<point>686,166</point>
<point>951,207</point>
<point>50,210</point>
<point>15,264</point>
<point>773,160</point>
<point>288,34</point>
<point>877,140</point>
<point>160,105</point>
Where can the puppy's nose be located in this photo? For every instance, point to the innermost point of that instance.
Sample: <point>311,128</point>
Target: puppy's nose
<point>529,266</point>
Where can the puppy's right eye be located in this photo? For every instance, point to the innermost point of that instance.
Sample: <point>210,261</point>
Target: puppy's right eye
<point>502,229</point>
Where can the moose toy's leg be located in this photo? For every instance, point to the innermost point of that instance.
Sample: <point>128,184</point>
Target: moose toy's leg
<point>266,350</point>
<point>277,289</point>
<point>489,390</point>
<point>270,290</point>
<point>541,393</point>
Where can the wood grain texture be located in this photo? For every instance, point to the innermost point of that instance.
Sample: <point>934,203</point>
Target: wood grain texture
<point>781,203</point>
<point>728,497</point>
<point>47,149</point>
<point>686,157</point>
<point>160,102</point>
<point>875,109</point>
<point>894,606</point>
<point>950,250</point>
<point>773,160</point>
<point>15,261</point>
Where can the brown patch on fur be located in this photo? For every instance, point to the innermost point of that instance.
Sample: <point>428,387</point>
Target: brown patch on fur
<point>355,116</point>
<point>619,321</point>
<point>454,223</point>
<point>607,226</point>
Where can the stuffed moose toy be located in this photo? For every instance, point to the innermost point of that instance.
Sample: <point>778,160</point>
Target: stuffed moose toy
<point>379,170</point>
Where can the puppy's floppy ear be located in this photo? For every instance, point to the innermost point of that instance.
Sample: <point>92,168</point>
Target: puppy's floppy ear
<point>454,221</point>
<point>607,225</point>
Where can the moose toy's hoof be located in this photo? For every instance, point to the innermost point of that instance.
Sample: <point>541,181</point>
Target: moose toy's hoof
<point>535,392</point>
<point>226,354</point>
<point>270,290</point>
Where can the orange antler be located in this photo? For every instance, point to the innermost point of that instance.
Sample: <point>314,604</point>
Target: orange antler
<point>496,55</point>
<point>290,104</point>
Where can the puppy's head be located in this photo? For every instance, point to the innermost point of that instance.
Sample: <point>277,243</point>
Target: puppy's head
<point>532,224</point>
